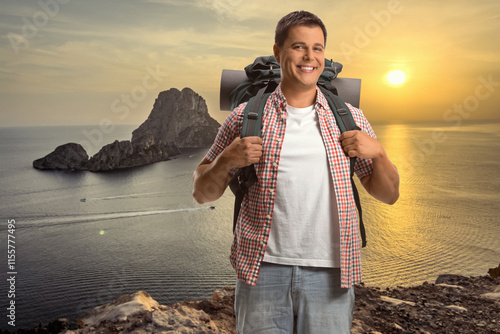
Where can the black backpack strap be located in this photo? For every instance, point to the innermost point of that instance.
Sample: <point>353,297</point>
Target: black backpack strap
<point>358,204</point>
<point>246,176</point>
<point>251,115</point>
<point>238,196</point>
<point>346,122</point>
<point>341,112</point>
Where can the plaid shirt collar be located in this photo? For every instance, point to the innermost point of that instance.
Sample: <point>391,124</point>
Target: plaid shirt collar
<point>279,99</point>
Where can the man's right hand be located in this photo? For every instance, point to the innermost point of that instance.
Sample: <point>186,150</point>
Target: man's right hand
<point>243,152</point>
<point>210,179</point>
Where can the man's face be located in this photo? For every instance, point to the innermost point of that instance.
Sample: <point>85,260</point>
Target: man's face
<point>302,58</point>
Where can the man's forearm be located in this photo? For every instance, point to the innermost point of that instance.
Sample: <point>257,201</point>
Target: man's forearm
<point>210,180</point>
<point>383,183</point>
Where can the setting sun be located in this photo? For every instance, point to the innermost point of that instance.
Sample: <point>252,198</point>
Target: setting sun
<point>396,77</point>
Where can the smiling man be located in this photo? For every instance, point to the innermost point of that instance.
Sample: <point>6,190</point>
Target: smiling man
<point>296,247</point>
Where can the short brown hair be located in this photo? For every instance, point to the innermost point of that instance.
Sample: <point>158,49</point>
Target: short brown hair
<point>297,18</point>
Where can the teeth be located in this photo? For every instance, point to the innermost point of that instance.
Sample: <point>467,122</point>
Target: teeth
<point>307,68</point>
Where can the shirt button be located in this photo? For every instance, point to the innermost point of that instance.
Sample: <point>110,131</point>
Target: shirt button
<point>262,243</point>
<point>268,216</point>
<point>278,140</point>
<point>275,164</point>
<point>271,191</point>
<point>283,117</point>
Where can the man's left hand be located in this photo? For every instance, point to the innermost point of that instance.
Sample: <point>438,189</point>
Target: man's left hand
<point>359,144</point>
<point>383,182</point>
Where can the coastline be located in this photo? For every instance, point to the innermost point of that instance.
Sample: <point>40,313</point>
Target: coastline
<point>452,304</point>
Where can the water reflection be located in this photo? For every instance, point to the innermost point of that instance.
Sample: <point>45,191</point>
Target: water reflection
<point>443,221</point>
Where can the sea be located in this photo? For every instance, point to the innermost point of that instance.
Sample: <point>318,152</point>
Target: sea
<point>82,239</point>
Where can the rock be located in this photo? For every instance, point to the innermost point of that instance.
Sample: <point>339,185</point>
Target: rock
<point>456,308</point>
<point>139,313</point>
<point>450,286</point>
<point>119,310</point>
<point>123,154</point>
<point>398,328</point>
<point>178,117</point>
<point>494,272</point>
<point>69,156</point>
<point>395,301</point>
<point>495,295</point>
<point>357,327</point>
<point>222,295</point>
<point>112,156</point>
<point>180,318</point>
<point>448,278</point>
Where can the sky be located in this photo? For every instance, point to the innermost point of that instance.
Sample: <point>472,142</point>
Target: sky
<point>90,62</point>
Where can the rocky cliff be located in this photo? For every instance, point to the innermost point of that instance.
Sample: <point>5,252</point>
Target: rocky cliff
<point>127,154</point>
<point>179,119</point>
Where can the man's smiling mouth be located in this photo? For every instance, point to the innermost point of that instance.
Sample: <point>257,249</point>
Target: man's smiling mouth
<point>306,68</point>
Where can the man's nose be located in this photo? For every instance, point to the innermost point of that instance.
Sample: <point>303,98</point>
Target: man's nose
<point>307,54</point>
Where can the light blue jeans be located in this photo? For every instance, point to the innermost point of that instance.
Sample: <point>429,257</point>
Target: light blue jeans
<point>291,299</point>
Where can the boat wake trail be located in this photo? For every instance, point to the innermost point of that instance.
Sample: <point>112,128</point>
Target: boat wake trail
<point>119,197</point>
<point>45,221</point>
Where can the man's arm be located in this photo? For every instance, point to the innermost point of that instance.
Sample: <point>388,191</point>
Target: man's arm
<point>211,179</point>
<point>383,182</point>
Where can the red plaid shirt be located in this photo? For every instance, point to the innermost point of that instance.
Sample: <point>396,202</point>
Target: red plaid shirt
<point>254,222</point>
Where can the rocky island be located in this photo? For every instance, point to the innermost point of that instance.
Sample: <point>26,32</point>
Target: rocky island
<point>179,120</point>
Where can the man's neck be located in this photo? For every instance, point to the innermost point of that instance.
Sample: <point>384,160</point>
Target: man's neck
<point>299,98</point>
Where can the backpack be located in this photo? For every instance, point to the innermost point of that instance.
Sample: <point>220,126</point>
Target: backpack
<point>262,78</point>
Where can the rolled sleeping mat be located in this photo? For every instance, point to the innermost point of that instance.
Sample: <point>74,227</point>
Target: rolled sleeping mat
<point>349,89</point>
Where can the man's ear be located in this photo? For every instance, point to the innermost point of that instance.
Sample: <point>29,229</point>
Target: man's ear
<point>276,50</point>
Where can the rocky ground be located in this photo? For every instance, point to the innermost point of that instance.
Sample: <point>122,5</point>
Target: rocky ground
<point>453,304</point>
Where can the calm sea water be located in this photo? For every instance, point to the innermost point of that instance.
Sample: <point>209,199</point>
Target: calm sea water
<point>140,229</point>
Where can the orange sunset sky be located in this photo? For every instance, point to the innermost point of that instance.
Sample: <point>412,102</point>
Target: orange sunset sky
<point>75,62</point>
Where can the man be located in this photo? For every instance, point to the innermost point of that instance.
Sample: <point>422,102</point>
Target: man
<point>296,247</point>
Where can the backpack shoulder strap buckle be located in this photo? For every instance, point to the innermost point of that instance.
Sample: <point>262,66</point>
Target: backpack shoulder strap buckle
<point>253,115</point>
<point>342,111</point>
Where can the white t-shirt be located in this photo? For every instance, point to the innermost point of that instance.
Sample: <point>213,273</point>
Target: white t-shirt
<point>305,225</point>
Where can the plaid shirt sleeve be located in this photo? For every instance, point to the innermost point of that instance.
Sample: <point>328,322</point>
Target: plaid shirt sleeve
<point>363,167</point>
<point>228,132</point>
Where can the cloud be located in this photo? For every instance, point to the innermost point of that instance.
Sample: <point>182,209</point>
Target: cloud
<point>97,47</point>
